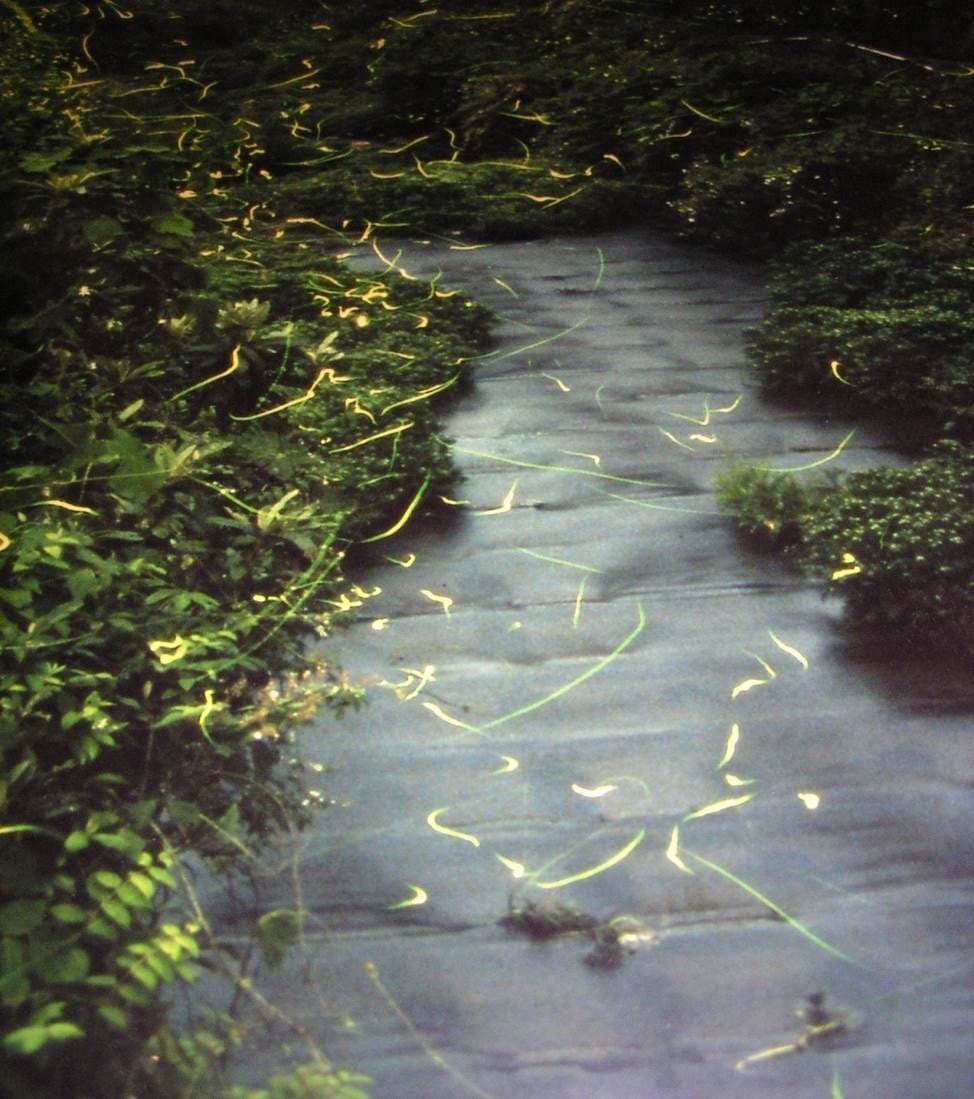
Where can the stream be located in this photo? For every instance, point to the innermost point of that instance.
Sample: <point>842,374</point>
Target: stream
<point>586,691</point>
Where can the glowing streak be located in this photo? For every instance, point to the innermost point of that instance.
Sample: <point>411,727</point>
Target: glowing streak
<point>420,896</point>
<point>554,560</point>
<point>380,624</point>
<point>510,764</point>
<point>372,438</point>
<point>613,860</point>
<point>498,355</point>
<point>767,1055</point>
<point>578,603</point>
<point>705,422</point>
<point>391,264</point>
<point>444,831</point>
<point>406,515</point>
<point>673,439</point>
<point>719,807</point>
<point>467,247</point>
<point>614,159</point>
<point>403,148</point>
<point>423,394</point>
<point>67,507</point>
<point>558,382</point>
<point>747,685</point>
<point>5,542</point>
<point>658,507</point>
<point>444,600</point>
<point>420,678</point>
<point>504,285</point>
<point>234,365</point>
<point>561,175</point>
<point>353,404</point>
<point>434,1055</point>
<point>450,502</point>
<point>810,801</point>
<point>834,368</point>
<point>598,398</point>
<point>790,650</point>
<point>517,869</point>
<point>772,674</point>
<point>811,465</point>
<point>702,114</point>
<point>406,562</point>
<point>731,747</point>
<point>733,780</point>
<point>730,407</point>
<point>853,567</point>
<point>703,438</point>
<point>554,469</point>
<point>594,791</point>
<point>505,505</point>
<point>419,168</point>
<point>837,1092</point>
<point>434,709</point>
<point>767,902</point>
<point>208,707</point>
<point>587,674</point>
<point>582,454</point>
<point>671,851</point>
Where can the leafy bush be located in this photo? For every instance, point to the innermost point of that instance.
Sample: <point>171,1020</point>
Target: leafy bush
<point>898,545</point>
<point>772,507</point>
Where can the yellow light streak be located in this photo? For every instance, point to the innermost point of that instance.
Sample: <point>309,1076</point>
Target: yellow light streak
<point>594,458</point>
<point>810,801</point>
<point>420,896</point>
<point>510,764</point>
<point>576,616</point>
<point>372,438</point>
<point>730,407</point>
<point>66,505</point>
<point>558,382</point>
<point>510,289</point>
<point>834,368</point>
<point>789,649</point>
<point>432,821</point>
<point>810,465</point>
<point>853,567</point>
<point>406,515</point>
<point>417,679</point>
<point>719,807</point>
<point>734,780</point>
<point>444,600</point>
<point>772,674</point>
<point>380,624</point>
<point>731,747</point>
<point>406,562</point>
<point>450,502</point>
<point>702,114</point>
<point>613,860</point>
<point>746,685</point>
<point>671,851</point>
<point>505,505</point>
<point>423,394</point>
<point>443,716</point>
<point>594,791</point>
<point>703,438</point>
<point>673,439</point>
<point>403,148</point>
<point>234,365</point>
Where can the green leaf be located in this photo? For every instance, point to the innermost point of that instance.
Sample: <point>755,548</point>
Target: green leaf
<point>145,975</point>
<point>43,162</point>
<point>117,911</point>
<point>21,917</point>
<point>131,409</point>
<point>102,230</point>
<point>68,913</point>
<point>77,841</point>
<point>142,882</point>
<point>113,1015</point>
<point>123,840</point>
<point>67,968</point>
<point>173,225</point>
<point>133,897</point>
<point>61,1031</point>
<point>102,928</point>
<point>26,1040</point>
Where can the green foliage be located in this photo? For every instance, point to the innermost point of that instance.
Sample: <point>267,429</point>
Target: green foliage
<point>772,507</point>
<point>909,534</point>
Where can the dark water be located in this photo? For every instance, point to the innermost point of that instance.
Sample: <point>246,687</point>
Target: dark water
<point>604,624</point>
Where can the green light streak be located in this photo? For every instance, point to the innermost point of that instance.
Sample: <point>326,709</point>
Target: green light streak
<point>777,909</point>
<point>577,681</point>
<point>558,469</point>
<point>556,560</point>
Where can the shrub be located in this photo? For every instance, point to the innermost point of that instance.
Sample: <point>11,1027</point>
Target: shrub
<point>898,545</point>
<point>772,507</point>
